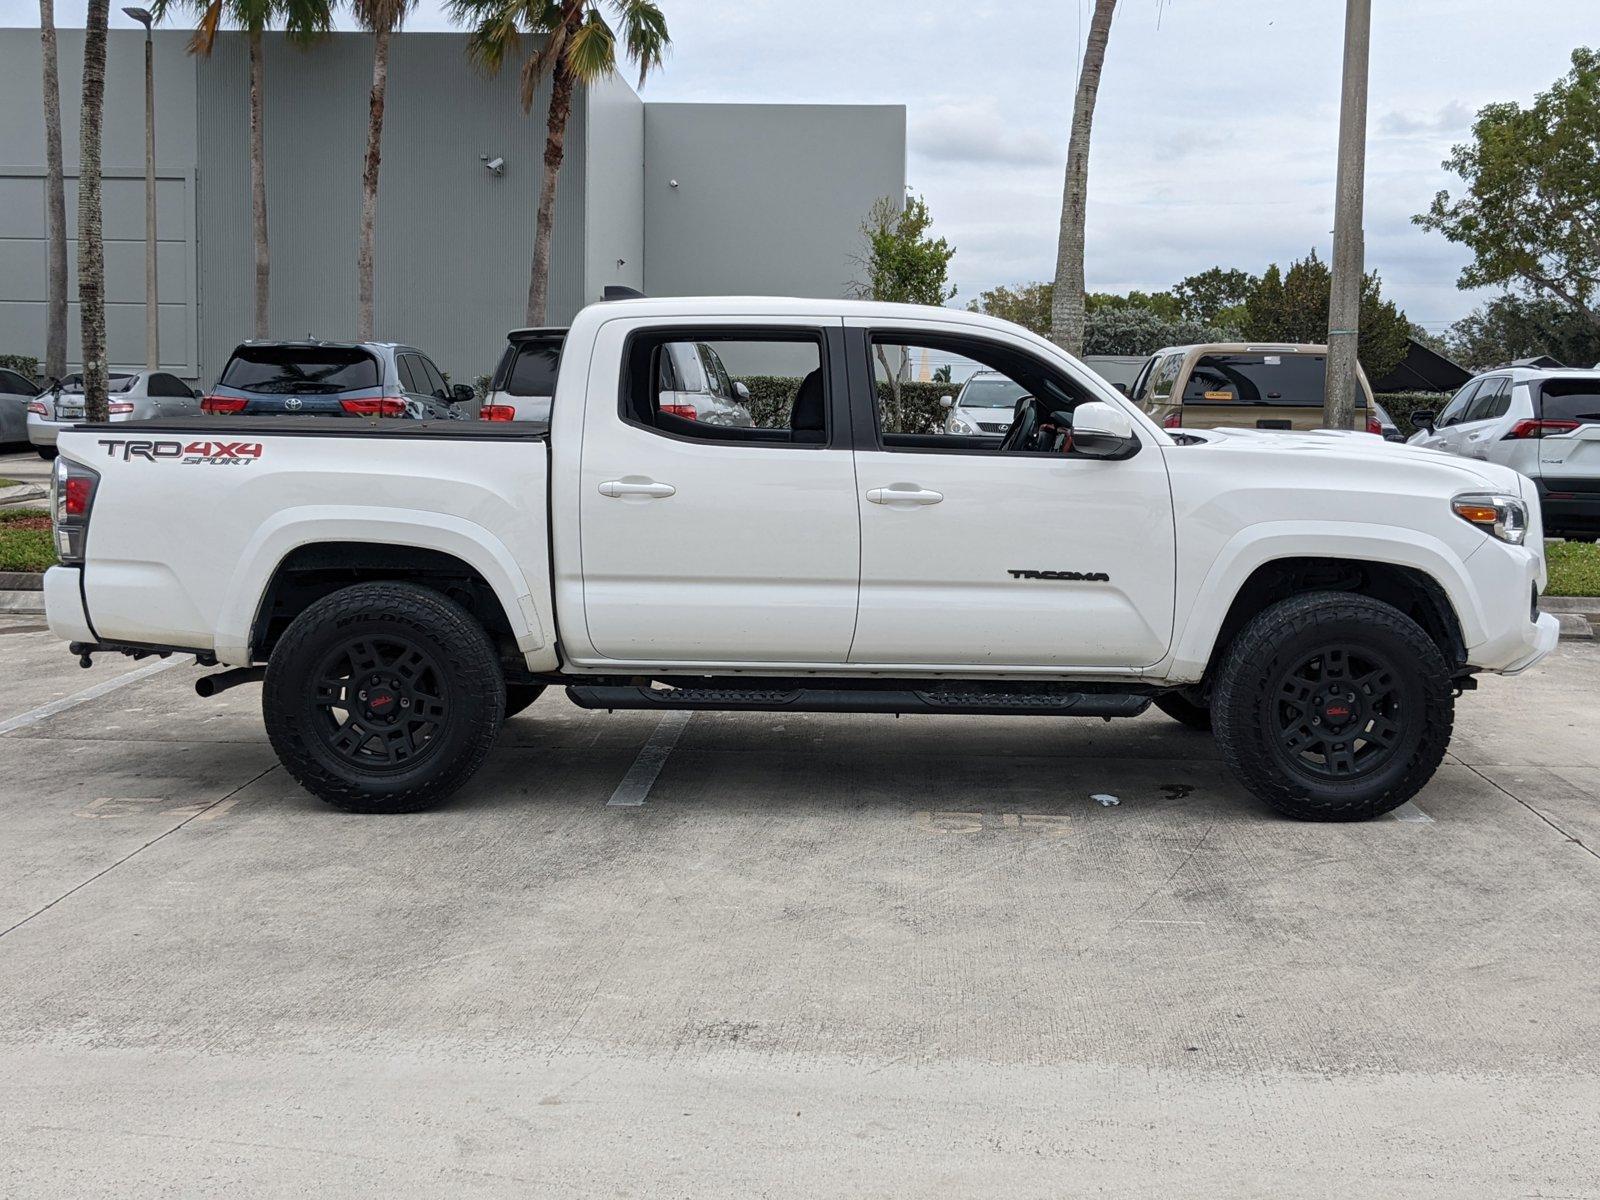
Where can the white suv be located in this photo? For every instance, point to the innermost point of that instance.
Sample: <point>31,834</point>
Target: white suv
<point>1542,422</point>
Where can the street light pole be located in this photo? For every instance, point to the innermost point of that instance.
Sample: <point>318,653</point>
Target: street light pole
<point>1344,303</point>
<point>152,307</point>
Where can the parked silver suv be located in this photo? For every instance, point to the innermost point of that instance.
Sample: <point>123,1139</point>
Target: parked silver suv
<point>1544,423</point>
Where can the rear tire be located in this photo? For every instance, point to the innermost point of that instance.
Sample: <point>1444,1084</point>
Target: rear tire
<point>383,698</point>
<point>1333,706</point>
<point>47,452</point>
<point>1185,711</point>
<point>520,695</point>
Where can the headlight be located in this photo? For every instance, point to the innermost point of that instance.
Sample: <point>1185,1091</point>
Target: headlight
<point>1504,517</point>
<point>957,425</point>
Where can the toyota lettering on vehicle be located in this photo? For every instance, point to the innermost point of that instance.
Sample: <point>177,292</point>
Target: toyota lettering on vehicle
<point>224,453</point>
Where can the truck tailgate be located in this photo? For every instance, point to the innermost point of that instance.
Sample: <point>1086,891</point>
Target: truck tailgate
<point>191,518</point>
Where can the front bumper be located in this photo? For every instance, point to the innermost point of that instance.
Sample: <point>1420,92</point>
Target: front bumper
<point>1546,631</point>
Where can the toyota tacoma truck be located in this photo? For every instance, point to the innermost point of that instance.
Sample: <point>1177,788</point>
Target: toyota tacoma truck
<point>1317,599</point>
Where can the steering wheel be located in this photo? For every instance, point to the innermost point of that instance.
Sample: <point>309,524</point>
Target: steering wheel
<point>1024,426</point>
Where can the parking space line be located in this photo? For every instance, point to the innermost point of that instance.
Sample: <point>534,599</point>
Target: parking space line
<point>1410,812</point>
<point>45,711</point>
<point>641,777</point>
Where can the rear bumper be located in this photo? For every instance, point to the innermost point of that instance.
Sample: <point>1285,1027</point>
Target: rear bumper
<point>1570,506</point>
<point>63,605</point>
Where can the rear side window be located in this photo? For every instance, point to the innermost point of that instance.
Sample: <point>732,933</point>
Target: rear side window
<point>302,369</point>
<point>1570,400</point>
<point>765,387</point>
<point>1281,380</point>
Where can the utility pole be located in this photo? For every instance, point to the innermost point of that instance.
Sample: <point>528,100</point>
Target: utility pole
<point>1344,303</point>
<point>152,307</point>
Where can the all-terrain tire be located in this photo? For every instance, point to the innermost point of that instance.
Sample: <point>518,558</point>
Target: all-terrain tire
<point>1185,711</point>
<point>417,683</point>
<point>1280,707</point>
<point>520,695</point>
<point>47,452</point>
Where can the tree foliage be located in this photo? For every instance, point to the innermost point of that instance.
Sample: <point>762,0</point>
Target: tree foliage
<point>1215,297</point>
<point>1530,213</point>
<point>1292,306</point>
<point>1163,304</point>
<point>1027,304</point>
<point>900,261</point>
<point>1129,329</point>
<point>1510,327</point>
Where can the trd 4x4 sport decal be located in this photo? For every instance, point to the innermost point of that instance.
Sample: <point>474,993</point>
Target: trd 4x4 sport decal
<point>1066,576</point>
<point>223,453</point>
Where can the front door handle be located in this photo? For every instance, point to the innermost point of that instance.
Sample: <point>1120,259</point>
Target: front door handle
<point>637,487</point>
<point>903,493</point>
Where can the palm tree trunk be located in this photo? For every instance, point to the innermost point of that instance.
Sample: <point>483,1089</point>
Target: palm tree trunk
<point>369,182</point>
<point>55,202</point>
<point>91,249</point>
<point>555,146</point>
<point>258,184</point>
<point>1066,310</point>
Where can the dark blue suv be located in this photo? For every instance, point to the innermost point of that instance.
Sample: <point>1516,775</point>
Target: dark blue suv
<point>337,379</point>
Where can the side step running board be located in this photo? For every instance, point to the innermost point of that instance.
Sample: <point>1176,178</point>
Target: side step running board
<point>1038,702</point>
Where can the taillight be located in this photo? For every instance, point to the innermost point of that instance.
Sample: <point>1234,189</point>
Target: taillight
<point>1374,426</point>
<point>72,497</point>
<point>497,412</point>
<point>121,406</point>
<point>223,404</point>
<point>1537,429</point>
<point>1175,421</point>
<point>37,408</point>
<point>687,411</point>
<point>388,406</point>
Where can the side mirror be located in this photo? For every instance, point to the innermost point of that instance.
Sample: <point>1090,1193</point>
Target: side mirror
<point>1123,388</point>
<point>741,391</point>
<point>1100,430</point>
<point>947,401</point>
<point>1423,419</point>
<point>461,393</point>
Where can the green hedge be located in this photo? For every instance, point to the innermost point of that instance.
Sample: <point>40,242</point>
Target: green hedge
<point>1400,406</point>
<point>772,396</point>
<point>23,364</point>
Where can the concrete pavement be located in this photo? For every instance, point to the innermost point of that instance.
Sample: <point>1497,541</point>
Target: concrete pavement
<point>846,956</point>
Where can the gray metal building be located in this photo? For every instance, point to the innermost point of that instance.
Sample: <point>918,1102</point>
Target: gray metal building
<point>674,199</point>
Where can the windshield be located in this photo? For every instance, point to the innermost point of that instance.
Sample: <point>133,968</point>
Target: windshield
<point>1279,379</point>
<point>991,393</point>
<point>302,369</point>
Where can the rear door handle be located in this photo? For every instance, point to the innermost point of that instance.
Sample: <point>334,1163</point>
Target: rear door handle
<point>903,493</point>
<point>637,487</point>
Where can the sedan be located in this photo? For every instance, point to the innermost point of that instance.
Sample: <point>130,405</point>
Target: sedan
<point>134,396</point>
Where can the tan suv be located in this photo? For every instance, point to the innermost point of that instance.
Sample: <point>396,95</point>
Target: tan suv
<point>1243,386</point>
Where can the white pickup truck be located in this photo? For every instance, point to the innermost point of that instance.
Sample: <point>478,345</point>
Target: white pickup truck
<point>1319,599</point>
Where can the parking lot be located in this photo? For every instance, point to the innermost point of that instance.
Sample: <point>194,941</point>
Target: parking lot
<point>825,956</point>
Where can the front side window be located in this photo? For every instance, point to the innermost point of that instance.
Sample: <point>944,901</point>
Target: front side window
<point>994,384</point>
<point>431,377</point>
<point>1495,393</point>
<point>1163,376</point>
<point>1456,410</point>
<point>685,384</point>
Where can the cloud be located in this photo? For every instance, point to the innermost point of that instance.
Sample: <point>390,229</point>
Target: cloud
<point>976,133</point>
<point>1453,119</point>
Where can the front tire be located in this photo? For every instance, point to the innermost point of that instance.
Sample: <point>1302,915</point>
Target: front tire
<point>383,698</point>
<point>1333,706</point>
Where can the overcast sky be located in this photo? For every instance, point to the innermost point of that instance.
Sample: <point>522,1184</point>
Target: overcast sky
<point>1215,138</point>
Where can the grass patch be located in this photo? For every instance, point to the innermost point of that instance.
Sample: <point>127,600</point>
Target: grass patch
<point>5,483</point>
<point>1574,568</point>
<point>25,541</point>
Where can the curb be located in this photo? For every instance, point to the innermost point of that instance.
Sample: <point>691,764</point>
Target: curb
<point>23,491</point>
<point>22,602</point>
<point>1574,627</point>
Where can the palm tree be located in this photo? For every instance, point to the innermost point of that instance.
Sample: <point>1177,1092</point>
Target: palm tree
<point>1066,309</point>
<point>579,48</point>
<point>381,18</point>
<point>55,338</point>
<point>303,19</point>
<point>91,249</point>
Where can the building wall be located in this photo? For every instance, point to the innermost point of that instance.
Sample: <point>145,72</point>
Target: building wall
<point>770,197</point>
<point>613,189</point>
<point>454,242</point>
<point>23,249</point>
